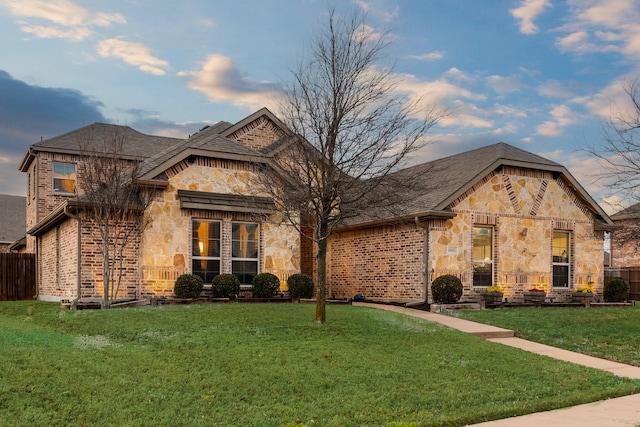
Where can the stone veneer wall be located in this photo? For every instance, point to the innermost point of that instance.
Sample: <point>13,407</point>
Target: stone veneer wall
<point>524,207</point>
<point>166,243</point>
<point>384,263</point>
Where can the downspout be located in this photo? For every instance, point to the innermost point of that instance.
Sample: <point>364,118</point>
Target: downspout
<point>425,270</point>
<point>79,245</point>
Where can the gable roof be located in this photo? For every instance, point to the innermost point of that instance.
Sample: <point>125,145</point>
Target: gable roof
<point>93,137</point>
<point>13,210</point>
<point>207,142</point>
<point>442,181</point>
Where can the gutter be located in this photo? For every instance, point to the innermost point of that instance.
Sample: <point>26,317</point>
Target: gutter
<point>79,245</point>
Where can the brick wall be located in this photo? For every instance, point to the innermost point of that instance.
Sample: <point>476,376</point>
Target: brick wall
<point>384,263</point>
<point>625,245</point>
<point>258,134</point>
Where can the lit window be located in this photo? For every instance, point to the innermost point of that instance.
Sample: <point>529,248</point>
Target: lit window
<point>244,251</point>
<point>205,249</point>
<point>64,178</point>
<point>482,256</point>
<point>561,259</point>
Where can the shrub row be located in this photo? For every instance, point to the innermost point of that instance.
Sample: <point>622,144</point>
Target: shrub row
<point>263,285</point>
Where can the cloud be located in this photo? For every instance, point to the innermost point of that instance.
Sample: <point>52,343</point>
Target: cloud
<point>29,113</point>
<point>504,85</point>
<point>430,56</point>
<point>555,89</point>
<point>596,26</point>
<point>562,116</point>
<point>59,18</point>
<point>221,81</point>
<point>527,12</point>
<point>132,53</point>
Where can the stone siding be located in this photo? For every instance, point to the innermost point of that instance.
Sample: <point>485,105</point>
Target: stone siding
<point>166,243</point>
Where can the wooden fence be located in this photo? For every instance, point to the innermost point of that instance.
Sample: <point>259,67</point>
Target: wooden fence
<point>630,274</point>
<point>17,276</point>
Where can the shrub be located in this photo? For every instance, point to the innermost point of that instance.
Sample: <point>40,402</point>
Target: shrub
<point>225,286</point>
<point>300,285</point>
<point>188,286</point>
<point>616,290</point>
<point>446,289</point>
<point>265,285</point>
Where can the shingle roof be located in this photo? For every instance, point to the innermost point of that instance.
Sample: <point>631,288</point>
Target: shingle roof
<point>207,140</point>
<point>632,212</point>
<point>93,138</point>
<point>443,180</point>
<point>13,210</point>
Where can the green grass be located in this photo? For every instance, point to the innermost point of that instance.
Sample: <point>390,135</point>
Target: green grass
<point>607,332</point>
<point>268,365</point>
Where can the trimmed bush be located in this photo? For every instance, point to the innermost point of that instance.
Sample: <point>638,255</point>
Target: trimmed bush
<point>225,286</point>
<point>616,290</point>
<point>300,285</point>
<point>446,289</point>
<point>188,286</point>
<point>265,285</point>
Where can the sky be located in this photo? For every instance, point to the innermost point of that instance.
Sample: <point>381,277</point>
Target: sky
<point>542,75</point>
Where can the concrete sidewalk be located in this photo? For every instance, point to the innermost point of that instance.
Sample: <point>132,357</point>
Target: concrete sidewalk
<point>619,412</point>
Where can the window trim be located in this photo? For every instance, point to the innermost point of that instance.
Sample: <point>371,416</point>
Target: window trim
<point>59,177</point>
<point>561,264</point>
<point>257,258</point>
<point>207,258</point>
<point>491,261</point>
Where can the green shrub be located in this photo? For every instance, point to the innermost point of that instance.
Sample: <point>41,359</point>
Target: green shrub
<point>446,289</point>
<point>225,286</point>
<point>188,286</point>
<point>300,285</point>
<point>265,285</point>
<point>616,290</point>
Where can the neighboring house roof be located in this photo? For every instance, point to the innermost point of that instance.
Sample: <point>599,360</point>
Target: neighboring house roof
<point>444,180</point>
<point>632,212</point>
<point>93,138</point>
<point>13,210</point>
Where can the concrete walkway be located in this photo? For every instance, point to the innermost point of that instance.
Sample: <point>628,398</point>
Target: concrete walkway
<point>619,412</point>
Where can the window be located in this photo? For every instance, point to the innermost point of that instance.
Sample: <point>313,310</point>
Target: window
<point>244,251</point>
<point>561,259</point>
<point>482,256</point>
<point>64,178</point>
<point>205,249</point>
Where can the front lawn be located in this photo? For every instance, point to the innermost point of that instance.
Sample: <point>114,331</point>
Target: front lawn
<point>607,332</point>
<point>268,365</point>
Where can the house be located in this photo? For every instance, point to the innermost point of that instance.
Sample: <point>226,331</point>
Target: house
<point>208,215</point>
<point>497,215</point>
<point>624,241</point>
<point>12,226</point>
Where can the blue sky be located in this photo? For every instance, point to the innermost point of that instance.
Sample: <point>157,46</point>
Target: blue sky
<point>542,75</point>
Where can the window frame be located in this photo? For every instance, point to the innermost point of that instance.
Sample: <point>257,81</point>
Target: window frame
<point>235,259</point>
<point>474,262</point>
<point>60,177</point>
<point>196,258</point>
<point>560,263</point>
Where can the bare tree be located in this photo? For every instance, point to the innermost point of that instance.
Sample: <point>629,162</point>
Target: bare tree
<point>351,129</point>
<point>620,155</point>
<point>112,204</point>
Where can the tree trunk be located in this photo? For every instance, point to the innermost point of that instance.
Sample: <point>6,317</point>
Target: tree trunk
<point>321,298</point>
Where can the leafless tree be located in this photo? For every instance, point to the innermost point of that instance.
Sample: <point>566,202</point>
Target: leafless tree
<point>351,130</point>
<point>112,203</point>
<point>620,155</point>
